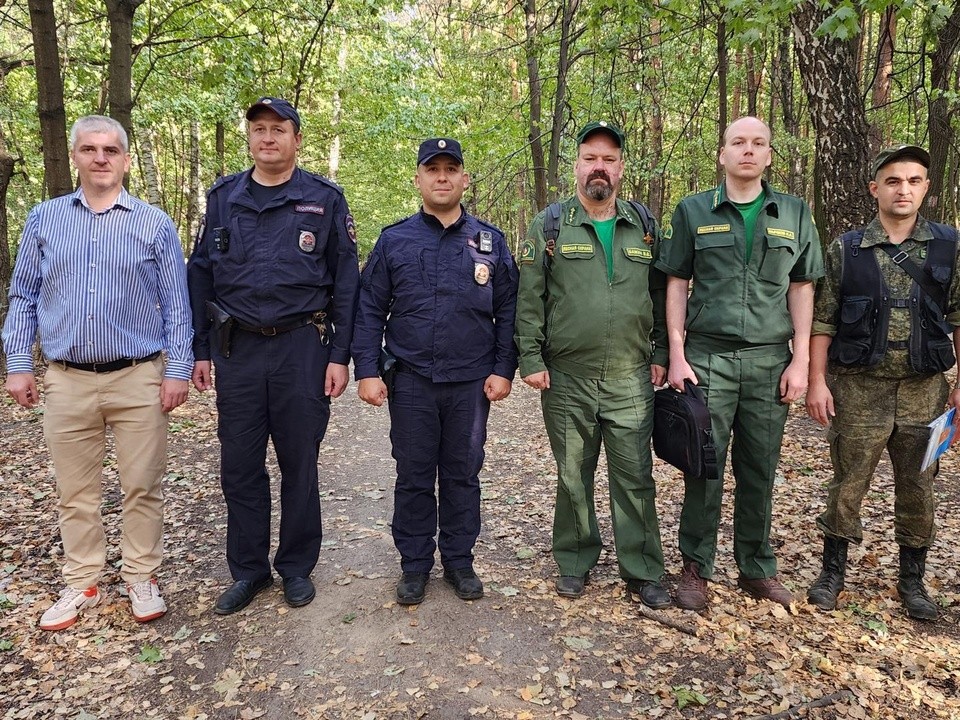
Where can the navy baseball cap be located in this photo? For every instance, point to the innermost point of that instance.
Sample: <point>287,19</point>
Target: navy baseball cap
<point>429,149</point>
<point>278,106</point>
<point>899,152</point>
<point>601,126</point>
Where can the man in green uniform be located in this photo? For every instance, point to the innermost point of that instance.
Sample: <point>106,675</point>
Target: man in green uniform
<point>881,341</point>
<point>753,255</point>
<point>587,313</point>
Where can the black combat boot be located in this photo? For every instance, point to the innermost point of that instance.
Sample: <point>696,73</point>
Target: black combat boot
<point>823,593</point>
<point>912,592</point>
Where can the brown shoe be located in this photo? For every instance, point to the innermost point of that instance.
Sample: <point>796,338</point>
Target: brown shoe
<point>692,589</point>
<point>766,589</point>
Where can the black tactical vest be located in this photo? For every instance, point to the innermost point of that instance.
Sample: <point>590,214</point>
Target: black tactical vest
<point>865,304</point>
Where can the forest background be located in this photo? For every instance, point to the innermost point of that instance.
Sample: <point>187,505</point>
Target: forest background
<point>513,80</point>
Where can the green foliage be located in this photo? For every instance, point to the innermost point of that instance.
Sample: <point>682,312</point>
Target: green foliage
<point>687,696</point>
<point>150,655</point>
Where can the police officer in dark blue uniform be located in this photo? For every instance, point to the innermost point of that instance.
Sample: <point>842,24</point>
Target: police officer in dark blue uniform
<point>441,288</point>
<point>273,286</point>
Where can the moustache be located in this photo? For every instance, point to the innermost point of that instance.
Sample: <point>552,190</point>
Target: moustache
<point>599,175</point>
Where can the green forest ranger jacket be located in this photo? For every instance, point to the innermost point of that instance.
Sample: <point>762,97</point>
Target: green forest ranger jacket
<point>734,304</point>
<point>571,317</point>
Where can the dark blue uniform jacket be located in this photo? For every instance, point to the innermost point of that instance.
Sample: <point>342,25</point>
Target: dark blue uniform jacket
<point>448,306</point>
<point>281,263</point>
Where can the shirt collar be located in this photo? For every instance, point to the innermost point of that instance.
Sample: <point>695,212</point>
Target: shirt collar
<point>433,220</point>
<point>720,196</point>
<point>874,234</point>
<point>123,200</point>
<point>577,214</point>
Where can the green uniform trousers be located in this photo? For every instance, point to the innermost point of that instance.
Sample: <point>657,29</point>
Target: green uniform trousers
<point>873,414</point>
<point>579,414</point>
<point>743,395</point>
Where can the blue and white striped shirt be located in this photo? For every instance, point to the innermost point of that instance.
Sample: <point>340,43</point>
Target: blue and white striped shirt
<point>99,286</point>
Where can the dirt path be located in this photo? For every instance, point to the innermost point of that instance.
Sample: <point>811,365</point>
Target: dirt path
<point>521,652</point>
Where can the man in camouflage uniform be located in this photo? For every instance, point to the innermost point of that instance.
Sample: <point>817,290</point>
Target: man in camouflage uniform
<point>879,348</point>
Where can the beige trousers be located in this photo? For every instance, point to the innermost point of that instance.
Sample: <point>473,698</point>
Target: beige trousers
<point>80,406</point>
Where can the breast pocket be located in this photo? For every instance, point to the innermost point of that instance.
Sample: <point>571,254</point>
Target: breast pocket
<point>778,260</point>
<point>477,288</point>
<point>641,255</point>
<point>715,256</point>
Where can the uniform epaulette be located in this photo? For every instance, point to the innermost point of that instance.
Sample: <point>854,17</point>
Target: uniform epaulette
<point>489,225</point>
<point>223,180</point>
<point>324,180</point>
<point>398,222</point>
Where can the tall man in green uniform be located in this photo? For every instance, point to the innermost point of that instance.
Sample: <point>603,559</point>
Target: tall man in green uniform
<point>587,314</point>
<point>880,344</point>
<point>753,255</point>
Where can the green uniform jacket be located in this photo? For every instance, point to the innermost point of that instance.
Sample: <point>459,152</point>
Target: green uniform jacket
<point>572,318</point>
<point>734,304</point>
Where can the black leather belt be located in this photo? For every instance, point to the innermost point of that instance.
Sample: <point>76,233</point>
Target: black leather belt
<point>106,367</point>
<point>277,329</point>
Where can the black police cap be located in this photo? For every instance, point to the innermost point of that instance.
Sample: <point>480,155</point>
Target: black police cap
<point>278,106</point>
<point>429,149</point>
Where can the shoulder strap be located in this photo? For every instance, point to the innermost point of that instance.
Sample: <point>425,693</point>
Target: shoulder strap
<point>646,217</point>
<point>551,222</point>
<point>926,283</point>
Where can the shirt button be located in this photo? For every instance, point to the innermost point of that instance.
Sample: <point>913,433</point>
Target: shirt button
<point>92,290</point>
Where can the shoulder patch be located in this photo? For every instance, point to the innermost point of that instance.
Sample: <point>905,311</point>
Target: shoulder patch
<point>707,229</point>
<point>778,232</point>
<point>667,232</point>
<point>351,228</point>
<point>528,253</point>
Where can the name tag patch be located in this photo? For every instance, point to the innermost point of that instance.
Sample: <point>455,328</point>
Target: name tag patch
<point>576,248</point>
<point>707,229</point>
<point>777,232</point>
<point>640,252</point>
<point>315,209</point>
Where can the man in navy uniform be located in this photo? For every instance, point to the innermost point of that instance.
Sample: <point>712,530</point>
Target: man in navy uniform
<point>273,284</point>
<point>441,286</point>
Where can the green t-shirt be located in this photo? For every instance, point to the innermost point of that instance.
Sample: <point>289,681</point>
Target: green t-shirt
<point>750,211</point>
<point>604,230</point>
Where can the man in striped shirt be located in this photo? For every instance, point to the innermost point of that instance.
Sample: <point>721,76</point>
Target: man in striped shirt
<point>101,276</point>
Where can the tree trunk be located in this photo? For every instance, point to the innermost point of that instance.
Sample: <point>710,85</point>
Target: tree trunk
<point>7,163</point>
<point>536,112</point>
<point>53,117</point>
<point>568,34</point>
<point>655,196</point>
<point>120,13</point>
<point>334,164</point>
<point>943,72</point>
<point>827,68</point>
<point>723,118</point>
<point>221,143</point>
<point>886,42</point>
<point>194,189</point>
<point>148,168</point>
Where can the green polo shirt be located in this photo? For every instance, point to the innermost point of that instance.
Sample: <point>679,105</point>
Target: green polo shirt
<point>735,301</point>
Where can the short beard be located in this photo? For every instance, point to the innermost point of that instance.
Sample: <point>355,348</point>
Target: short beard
<point>599,192</point>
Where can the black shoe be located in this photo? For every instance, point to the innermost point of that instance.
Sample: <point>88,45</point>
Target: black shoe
<point>824,591</point>
<point>239,595</point>
<point>571,586</point>
<point>298,591</point>
<point>412,588</point>
<point>917,601</point>
<point>465,583</point>
<point>651,593</point>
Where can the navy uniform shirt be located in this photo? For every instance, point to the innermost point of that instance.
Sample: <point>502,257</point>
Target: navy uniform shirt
<point>273,266</point>
<point>447,298</point>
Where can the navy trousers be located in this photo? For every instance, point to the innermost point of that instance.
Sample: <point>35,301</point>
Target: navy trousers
<point>437,431</point>
<point>272,388</point>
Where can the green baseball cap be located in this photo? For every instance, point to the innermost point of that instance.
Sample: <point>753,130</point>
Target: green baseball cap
<point>899,152</point>
<point>601,126</point>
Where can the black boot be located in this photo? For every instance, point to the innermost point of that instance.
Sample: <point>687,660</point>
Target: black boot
<point>912,592</point>
<point>823,593</point>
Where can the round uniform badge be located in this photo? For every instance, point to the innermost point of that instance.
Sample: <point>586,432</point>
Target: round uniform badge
<point>481,273</point>
<point>307,241</point>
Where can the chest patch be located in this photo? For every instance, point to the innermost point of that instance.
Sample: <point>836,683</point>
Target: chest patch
<point>481,273</point>
<point>307,242</point>
<point>315,209</point>
<point>707,229</point>
<point>640,252</point>
<point>777,232</point>
<point>576,248</point>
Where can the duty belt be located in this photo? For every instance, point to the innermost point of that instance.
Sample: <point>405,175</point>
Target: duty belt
<point>106,367</point>
<point>279,329</point>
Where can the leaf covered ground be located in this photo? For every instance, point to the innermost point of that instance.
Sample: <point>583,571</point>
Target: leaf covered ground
<point>520,652</point>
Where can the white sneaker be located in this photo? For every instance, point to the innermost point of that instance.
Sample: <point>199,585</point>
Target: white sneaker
<point>63,613</point>
<point>145,600</point>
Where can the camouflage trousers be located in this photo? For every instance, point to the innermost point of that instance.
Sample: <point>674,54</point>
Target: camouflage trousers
<point>873,414</point>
